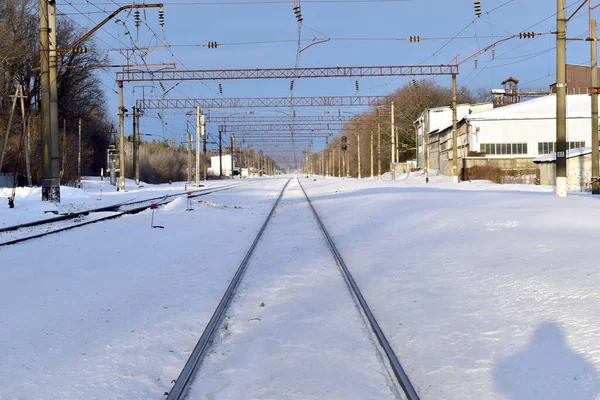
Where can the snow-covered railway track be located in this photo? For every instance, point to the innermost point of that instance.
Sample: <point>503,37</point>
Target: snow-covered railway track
<point>36,229</point>
<point>261,334</point>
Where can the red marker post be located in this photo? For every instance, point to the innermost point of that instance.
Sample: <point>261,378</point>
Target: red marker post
<point>189,202</point>
<point>154,206</point>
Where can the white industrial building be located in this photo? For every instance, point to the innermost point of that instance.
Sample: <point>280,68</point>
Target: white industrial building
<point>528,129</point>
<point>439,119</point>
<point>226,162</point>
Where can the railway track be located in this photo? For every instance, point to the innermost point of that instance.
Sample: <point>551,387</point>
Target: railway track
<point>36,229</point>
<point>185,385</point>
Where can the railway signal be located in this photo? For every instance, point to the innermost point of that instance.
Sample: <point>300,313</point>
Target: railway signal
<point>344,143</point>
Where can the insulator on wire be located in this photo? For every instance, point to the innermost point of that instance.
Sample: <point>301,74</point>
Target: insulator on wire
<point>162,86</point>
<point>477,8</point>
<point>212,45</point>
<point>414,39</point>
<point>161,17</point>
<point>494,53</point>
<point>292,85</point>
<point>527,35</point>
<point>356,85</point>
<point>298,13</point>
<point>137,18</point>
<point>476,63</point>
<point>220,88</point>
<point>80,50</point>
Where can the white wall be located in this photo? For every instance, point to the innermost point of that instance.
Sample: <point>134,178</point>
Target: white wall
<point>525,131</point>
<point>214,165</point>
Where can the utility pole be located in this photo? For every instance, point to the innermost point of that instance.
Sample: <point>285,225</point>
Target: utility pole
<point>26,125</point>
<point>53,74</point>
<point>426,145</point>
<point>48,188</point>
<point>358,152</point>
<point>454,133</point>
<point>199,124</point>
<point>378,146</point>
<point>121,139</point>
<point>204,137</point>
<point>340,162</point>
<point>561,101</point>
<point>79,152</point>
<point>220,152</point>
<point>372,170</point>
<point>134,115</point>
<point>137,140</point>
<point>595,144</point>
<point>232,155</point>
<point>393,135</point>
<point>189,151</point>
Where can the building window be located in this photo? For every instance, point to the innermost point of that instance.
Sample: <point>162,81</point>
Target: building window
<point>550,147</point>
<point>503,148</point>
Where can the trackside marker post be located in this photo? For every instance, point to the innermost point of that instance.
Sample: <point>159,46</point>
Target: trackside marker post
<point>189,202</point>
<point>154,206</point>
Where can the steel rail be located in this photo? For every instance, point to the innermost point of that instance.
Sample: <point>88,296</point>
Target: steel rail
<point>112,207</point>
<point>199,351</point>
<point>399,372</point>
<point>114,216</point>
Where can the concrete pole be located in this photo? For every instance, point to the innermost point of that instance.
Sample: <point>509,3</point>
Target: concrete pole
<point>121,139</point>
<point>198,134</point>
<point>137,140</point>
<point>26,125</point>
<point>135,155</point>
<point>454,133</point>
<point>79,151</point>
<point>54,132</point>
<point>561,101</point>
<point>189,151</point>
<point>45,103</point>
<point>203,134</point>
<point>426,146</point>
<point>344,173</point>
<point>378,146</point>
<point>358,151</point>
<point>340,162</point>
<point>232,155</point>
<point>393,135</point>
<point>595,150</point>
<point>372,165</point>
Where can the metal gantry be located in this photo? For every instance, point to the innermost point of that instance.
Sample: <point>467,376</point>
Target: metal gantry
<point>263,102</point>
<point>286,73</point>
<point>277,119</point>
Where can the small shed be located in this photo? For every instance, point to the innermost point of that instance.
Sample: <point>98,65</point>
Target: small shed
<point>579,168</point>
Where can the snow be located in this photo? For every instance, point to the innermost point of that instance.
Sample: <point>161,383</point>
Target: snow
<point>484,291</point>
<point>292,311</point>
<point>578,106</point>
<point>94,194</point>
<point>486,294</point>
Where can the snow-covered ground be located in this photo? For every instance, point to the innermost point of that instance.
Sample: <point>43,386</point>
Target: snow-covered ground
<point>485,292</point>
<point>292,331</point>
<point>111,311</point>
<point>94,194</point>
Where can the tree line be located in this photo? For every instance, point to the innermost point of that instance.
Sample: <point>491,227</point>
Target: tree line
<point>409,102</point>
<point>80,94</point>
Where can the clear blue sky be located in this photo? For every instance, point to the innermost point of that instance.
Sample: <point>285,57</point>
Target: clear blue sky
<point>190,22</point>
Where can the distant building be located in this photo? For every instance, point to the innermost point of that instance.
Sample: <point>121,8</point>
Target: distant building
<point>226,162</point>
<point>579,79</point>
<point>508,138</point>
<point>437,122</point>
